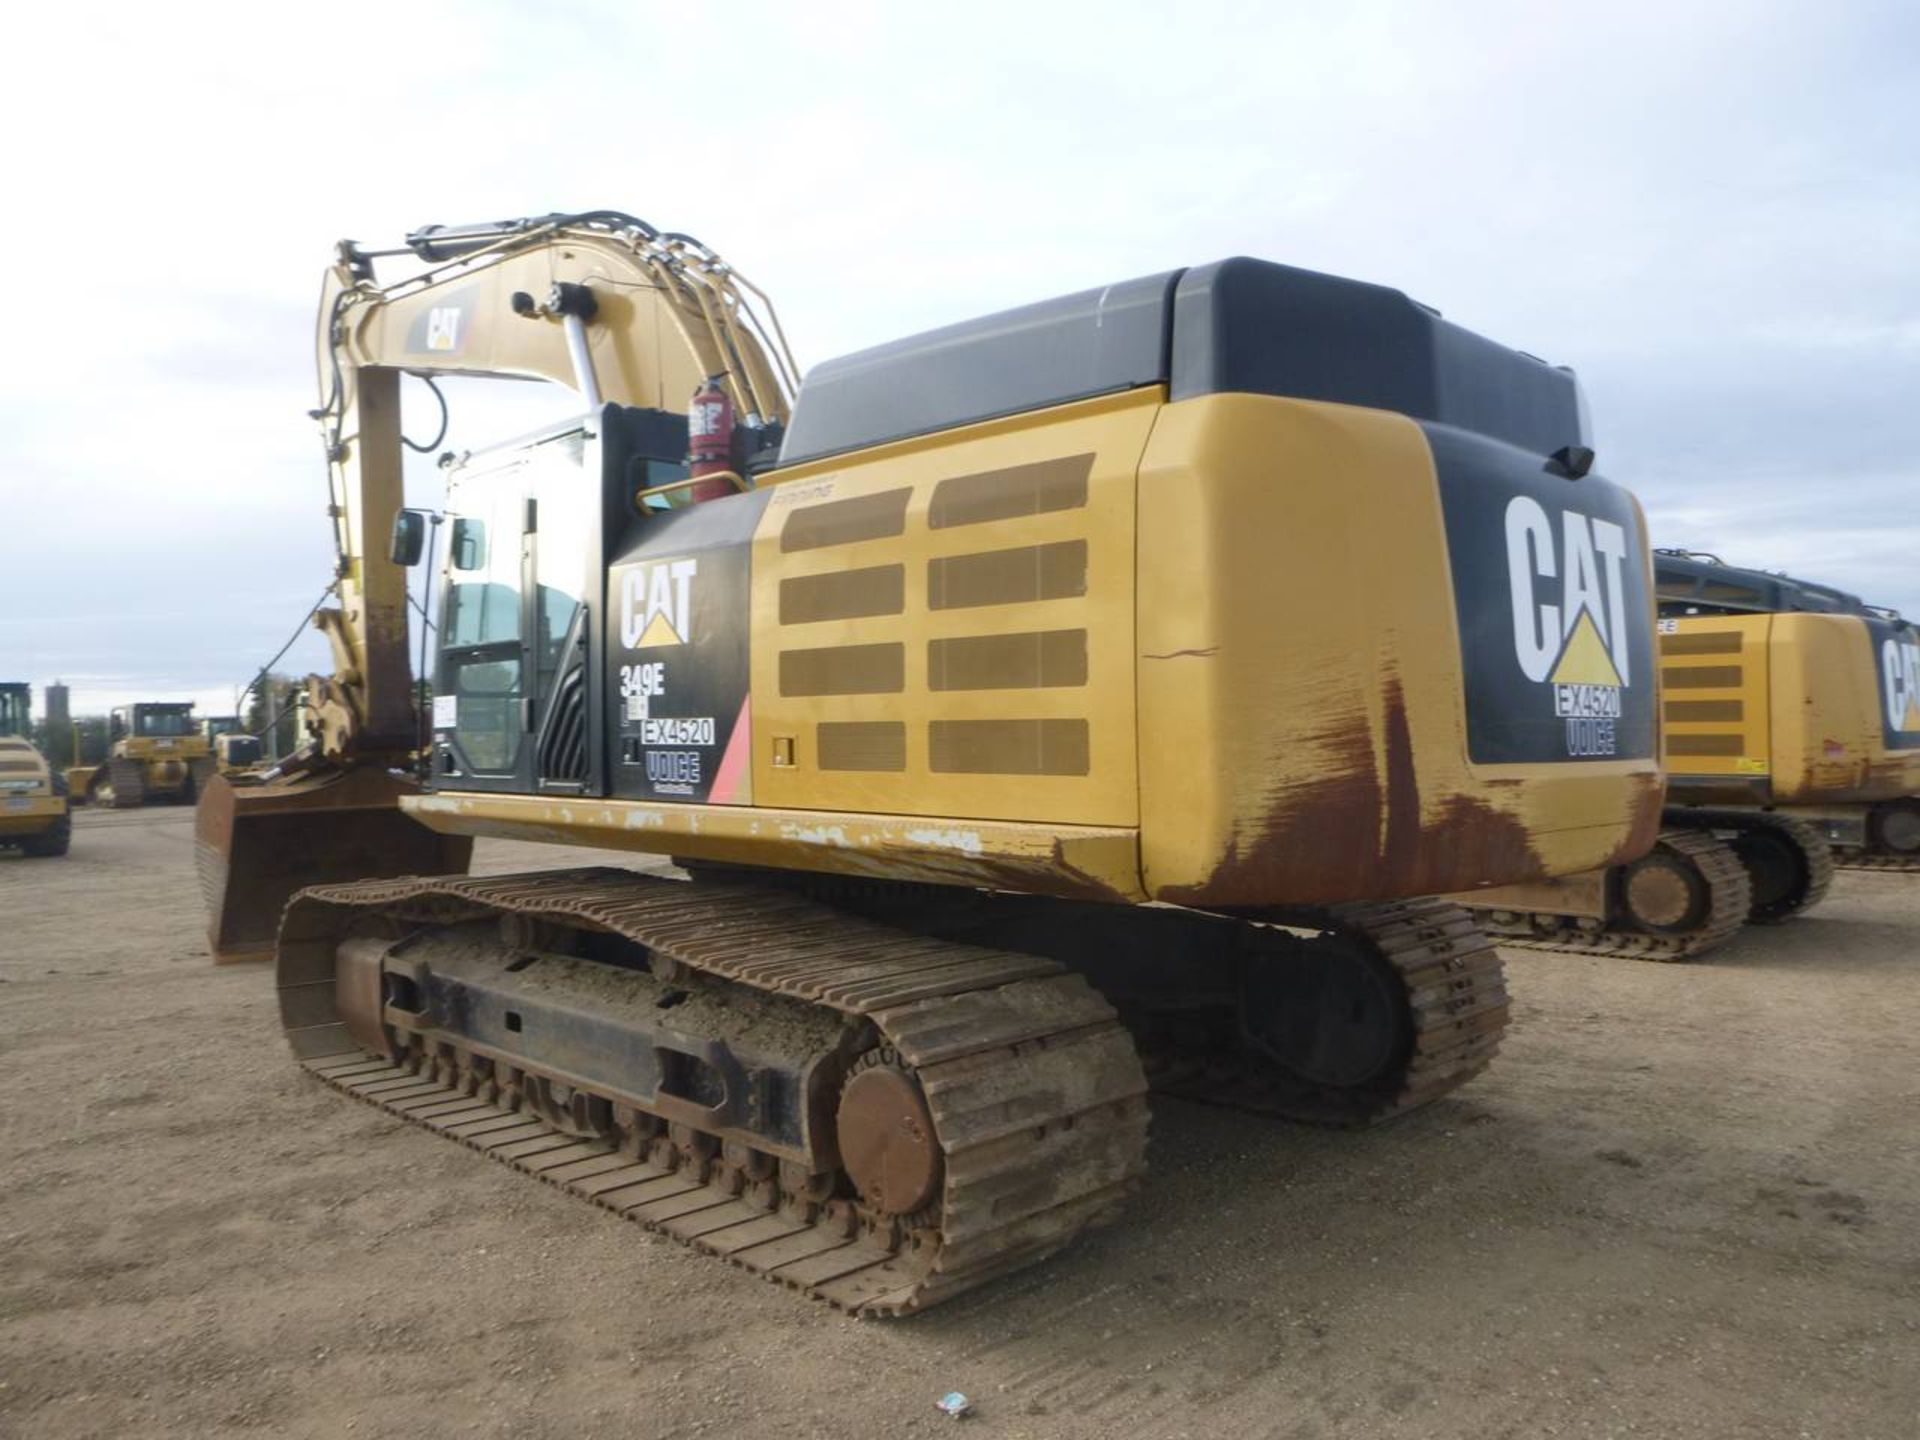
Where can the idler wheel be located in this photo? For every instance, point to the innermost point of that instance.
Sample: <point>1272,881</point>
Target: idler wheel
<point>1897,827</point>
<point>887,1142</point>
<point>1664,893</point>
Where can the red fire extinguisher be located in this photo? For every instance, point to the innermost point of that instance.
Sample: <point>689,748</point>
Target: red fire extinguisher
<point>710,439</point>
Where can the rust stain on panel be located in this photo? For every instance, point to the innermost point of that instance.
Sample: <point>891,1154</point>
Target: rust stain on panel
<point>1360,832</point>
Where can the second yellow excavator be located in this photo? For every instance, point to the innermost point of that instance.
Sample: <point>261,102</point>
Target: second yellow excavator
<point>1792,741</point>
<point>1074,696</point>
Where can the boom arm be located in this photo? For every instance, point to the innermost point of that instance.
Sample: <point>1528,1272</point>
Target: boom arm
<point>598,301</point>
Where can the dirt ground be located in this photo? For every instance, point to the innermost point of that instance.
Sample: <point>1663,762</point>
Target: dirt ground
<point>1685,1202</point>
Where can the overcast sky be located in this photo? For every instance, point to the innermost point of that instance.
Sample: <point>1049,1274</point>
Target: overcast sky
<point>1709,210</point>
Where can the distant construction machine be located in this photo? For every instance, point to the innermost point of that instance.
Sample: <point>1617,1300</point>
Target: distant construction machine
<point>34,811</point>
<point>1792,740</point>
<point>1234,589</point>
<point>235,752</point>
<point>1797,699</point>
<point>159,753</point>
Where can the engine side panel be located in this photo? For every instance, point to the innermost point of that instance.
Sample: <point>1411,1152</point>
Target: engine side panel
<point>944,627</point>
<point>1834,705</point>
<point>1304,725</point>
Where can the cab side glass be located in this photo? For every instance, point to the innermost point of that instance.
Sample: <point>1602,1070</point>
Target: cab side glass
<point>469,543</point>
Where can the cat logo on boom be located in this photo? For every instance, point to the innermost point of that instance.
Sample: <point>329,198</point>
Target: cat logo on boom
<point>1568,586</point>
<point>443,328</point>
<point>656,604</point>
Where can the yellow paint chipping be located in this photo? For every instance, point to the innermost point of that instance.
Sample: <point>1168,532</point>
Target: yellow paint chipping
<point>1071,860</point>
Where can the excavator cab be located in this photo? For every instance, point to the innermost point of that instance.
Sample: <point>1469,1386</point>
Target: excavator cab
<point>518,679</point>
<point>643,314</point>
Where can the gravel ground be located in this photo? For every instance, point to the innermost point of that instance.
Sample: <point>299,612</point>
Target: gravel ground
<point>1685,1202</point>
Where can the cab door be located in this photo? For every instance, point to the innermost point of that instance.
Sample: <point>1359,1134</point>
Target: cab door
<point>520,700</point>
<point>480,704</point>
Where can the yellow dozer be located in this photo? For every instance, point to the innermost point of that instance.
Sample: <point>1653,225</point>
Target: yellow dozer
<point>1062,703</point>
<point>34,812</point>
<point>1792,742</point>
<point>159,754</point>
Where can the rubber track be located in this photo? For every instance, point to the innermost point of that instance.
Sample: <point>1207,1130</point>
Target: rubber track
<point>1808,839</point>
<point>1730,898</point>
<point>1035,1089</point>
<point>1456,992</point>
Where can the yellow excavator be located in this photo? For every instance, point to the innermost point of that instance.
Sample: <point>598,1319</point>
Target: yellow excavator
<point>1064,701</point>
<point>1792,744</point>
<point>35,814</point>
<point>159,752</point>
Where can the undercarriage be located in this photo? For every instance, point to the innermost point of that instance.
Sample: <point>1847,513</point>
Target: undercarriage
<point>880,1094</point>
<point>1711,872</point>
<point>1888,840</point>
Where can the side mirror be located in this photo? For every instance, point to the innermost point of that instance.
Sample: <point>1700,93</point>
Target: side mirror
<point>409,538</point>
